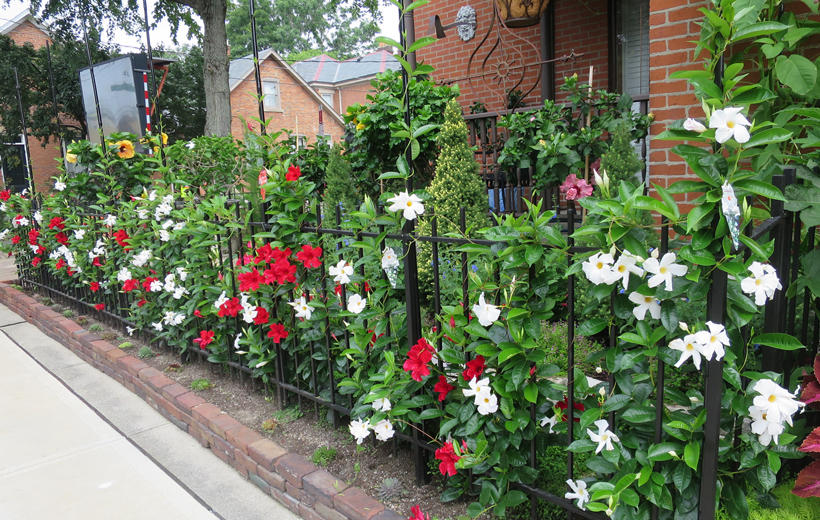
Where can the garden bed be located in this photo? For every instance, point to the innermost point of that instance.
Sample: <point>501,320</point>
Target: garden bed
<point>383,470</point>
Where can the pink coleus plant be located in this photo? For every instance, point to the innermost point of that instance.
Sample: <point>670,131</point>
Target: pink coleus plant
<point>808,480</point>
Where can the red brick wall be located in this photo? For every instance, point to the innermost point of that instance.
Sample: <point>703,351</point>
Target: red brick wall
<point>353,93</point>
<point>299,108</point>
<point>579,26</point>
<point>43,160</point>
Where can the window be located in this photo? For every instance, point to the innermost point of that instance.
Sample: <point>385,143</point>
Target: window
<point>270,89</point>
<point>328,97</point>
<point>633,46</point>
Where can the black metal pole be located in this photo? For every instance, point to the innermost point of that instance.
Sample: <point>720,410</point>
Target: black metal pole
<point>548,53</point>
<point>410,38</point>
<point>570,344</point>
<point>151,73</point>
<point>93,84</point>
<point>24,130</point>
<point>54,101</point>
<point>252,12</point>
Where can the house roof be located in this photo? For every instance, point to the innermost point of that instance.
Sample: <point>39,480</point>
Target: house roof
<point>324,69</point>
<point>241,68</point>
<point>18,20</point>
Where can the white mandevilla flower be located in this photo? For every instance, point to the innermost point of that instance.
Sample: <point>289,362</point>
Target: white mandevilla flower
<point>763,282</point>
<point>141,258</point>
<point>156,286</point>
<point>645,303</point>
<point>164,235</point>
<point>477,388</point>
<point>382,404</point>
<point>110,220</point>
<point>179,292</point>
<point>182,273</point>
<point>236,344</point>
<point>778,403</point>
<point>579,492</point>
<point>765,429</point>
<point>486,313</point>
<point>359,429</point>
<point>729,123</point>
<point>689,348</point>
<point>190,145</point>
<point>693,125</point>
<point>124,275</point>
<point>179,225</point>
<point>356,303</point>
<point>409,204</point>
<point>157,326</point>
<point>626,264</point>
<point>487,403</point>
<point>4,234</point>
<point>152,195</point>
<point>142,214</point>
<point>303,310</point>
<point>79,234</point>
<point>549,421</point>
<point>38,217</point>
<point>130,330</point>
<point>598,269</point>
<point>163,210</point>
<point>604,437</point>
<point>713,340</point>
<point>168,224</point>
<point>389,258</point>
<point>663,271</point>
<point>170,284</point>
<point>59,185</point>
<point>341,272</point>
<point>222,300</point>
<point>20,221</point>
<point>383,430</point>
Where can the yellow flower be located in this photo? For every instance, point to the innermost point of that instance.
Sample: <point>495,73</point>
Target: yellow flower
<point>164,138</point>
<point>125,149</point>
<point>360,126</point>
<point>71,158</point>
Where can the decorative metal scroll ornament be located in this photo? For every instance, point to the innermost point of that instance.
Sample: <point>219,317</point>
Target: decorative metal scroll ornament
<point>731,212</point>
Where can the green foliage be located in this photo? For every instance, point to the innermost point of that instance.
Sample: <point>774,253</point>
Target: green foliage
<point>620,161</point>
<point>210,163</point>
<point>340,188</point>
<point>95,327</point>
<point>68,313</point>
<point>344,28</point>
<point>376,137</point>
<point>287,415</point>
<point>313,159</point>
<point>201,384</point>
<point>182,103</point>
<point>791,507</point>
<point>125,345</point>
<point>556,139</point>
<point>323,456</point>
<point>554,342</point>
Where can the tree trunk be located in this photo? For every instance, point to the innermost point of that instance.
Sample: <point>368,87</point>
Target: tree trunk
<point>215,57</point>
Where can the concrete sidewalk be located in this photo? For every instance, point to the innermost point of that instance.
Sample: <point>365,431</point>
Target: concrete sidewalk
<point>75,444</point>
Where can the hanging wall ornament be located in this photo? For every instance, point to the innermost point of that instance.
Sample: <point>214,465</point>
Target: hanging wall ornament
<point>390,264</point>
<point>731,212</point>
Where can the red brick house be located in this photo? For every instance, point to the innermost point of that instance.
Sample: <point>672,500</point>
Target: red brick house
<point>289,102</point>
<point>25,29</point>
<point>633,45</point>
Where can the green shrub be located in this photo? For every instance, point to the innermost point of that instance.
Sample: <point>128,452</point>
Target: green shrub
<point>339,187</point>
<point>791,507</point>
<point>209,162</point>
<point>145,353</point>
<point>620,160</point>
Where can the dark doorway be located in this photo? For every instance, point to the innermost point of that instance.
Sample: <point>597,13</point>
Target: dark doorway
<point>14,167</point>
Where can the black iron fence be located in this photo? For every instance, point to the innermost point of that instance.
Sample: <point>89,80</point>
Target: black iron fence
<point>311,376</point>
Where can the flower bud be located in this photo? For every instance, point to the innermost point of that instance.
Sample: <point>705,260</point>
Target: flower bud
<point>693,125</point>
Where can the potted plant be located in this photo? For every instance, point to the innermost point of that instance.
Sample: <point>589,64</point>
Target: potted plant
<point>521,13</point>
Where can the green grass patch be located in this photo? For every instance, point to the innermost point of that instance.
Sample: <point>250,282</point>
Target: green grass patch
<point>201,384</point>
<point>323,455</point>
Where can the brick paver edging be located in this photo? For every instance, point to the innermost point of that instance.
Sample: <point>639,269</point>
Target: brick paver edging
<point>291,479</point>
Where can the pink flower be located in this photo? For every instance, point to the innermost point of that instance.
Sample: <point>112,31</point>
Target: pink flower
<point>574,188</point>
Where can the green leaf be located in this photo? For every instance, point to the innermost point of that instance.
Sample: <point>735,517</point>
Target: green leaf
<point>420,43</point>
<point>766,477</point>
<point>778,340</point>
<point>650,204</point>
<point>616,402</point>
<point>702,257</point>
<point>757,29</point>
<point>638,415</point>
<point>697,218</point>
<point>755,248</point>
<point>531,392</point>
<point>796,72</point>
<point>691,455</point>
<point>592,326</point>
<point>763,189</point>
<point>767,136</point>
<point>662,451</point>
<point>507,353</point>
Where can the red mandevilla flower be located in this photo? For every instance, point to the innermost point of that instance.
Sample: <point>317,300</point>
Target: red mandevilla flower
<point>293,173</point>
<point>35,261</point>
<point>443,388</point>
<point>147,283</point>
<point>278,254</point>
<point>130,285</point>
<point>56,222</point>
<point>32,236</point>
<point>250,281</point>
<point>447,455</point>
<point>281,272</point>
<point>417,358</point>
<point>474,368</point>
<point>262,316</point>
<point>100,306</point>
<point>16,239</point>
<point>62,238</point>
<point>94,286</point>
<point>206,337</point>
<point>40,250</point>
<point>97,262</point>
<point>142,302</point>
<point>310,256</point>
<point>197,313</point>
<point>5,195</point>
<point>122,237</point>
<point>60,264</point>
<point>230,308</point>
<point>563,405</point>
<point>277,332</point>
<point>417,514</point>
